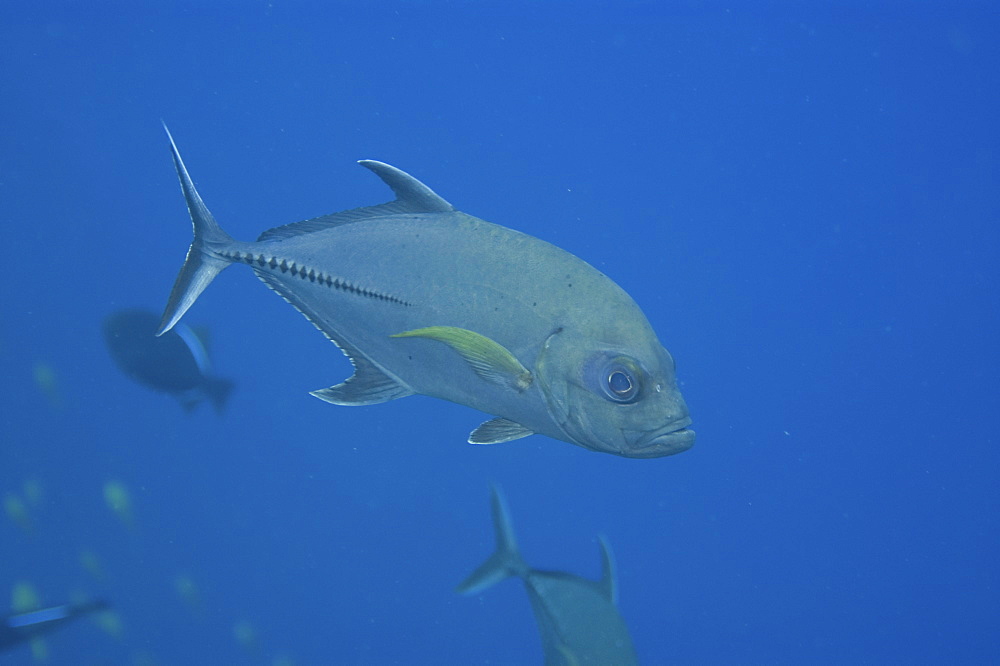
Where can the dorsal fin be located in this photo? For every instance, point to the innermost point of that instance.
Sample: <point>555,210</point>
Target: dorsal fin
<point>412,196</point>
<point>409,191</point>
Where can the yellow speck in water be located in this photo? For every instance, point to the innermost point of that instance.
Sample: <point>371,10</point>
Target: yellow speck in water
<point>45,380</point>
<point>118,499</point>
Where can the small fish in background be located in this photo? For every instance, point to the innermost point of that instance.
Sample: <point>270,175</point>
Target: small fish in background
<point>188,591</point>
<point>110,623</point>
<point>24,599</point>
<point>20,509</point>
<point>91,563</point>
<point>18,512</point>
<point>425,299</point>
<point>34,492</point>
<point>119,500</point>
<point>246,636</point>
<point>176,363</point>
<point>577,618</point>
<point>48,383</point>
<point>29,620</point>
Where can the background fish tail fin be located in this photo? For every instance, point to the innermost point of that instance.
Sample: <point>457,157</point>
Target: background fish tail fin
<point>506,559</point>
<point>218,391</point>
<point>502,528</point>
<point>202,264</point>
<point>489,573</point>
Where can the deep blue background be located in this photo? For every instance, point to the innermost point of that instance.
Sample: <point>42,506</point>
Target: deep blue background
<point>804,202</point>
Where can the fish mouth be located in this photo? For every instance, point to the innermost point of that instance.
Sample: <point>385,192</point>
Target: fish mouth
<point>672,439</point>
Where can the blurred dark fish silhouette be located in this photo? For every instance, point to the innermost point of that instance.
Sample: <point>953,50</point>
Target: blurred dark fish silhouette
<point>577,617</point>
<point>176,362</point>
<point>17,628</point>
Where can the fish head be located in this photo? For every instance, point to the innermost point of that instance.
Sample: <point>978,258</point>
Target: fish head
<point>614,398</point>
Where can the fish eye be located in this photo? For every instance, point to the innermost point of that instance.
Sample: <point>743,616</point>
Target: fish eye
<point>620,383</point>
<point>616,378</point>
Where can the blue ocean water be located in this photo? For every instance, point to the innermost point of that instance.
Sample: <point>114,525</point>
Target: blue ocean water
<point>803,200</point>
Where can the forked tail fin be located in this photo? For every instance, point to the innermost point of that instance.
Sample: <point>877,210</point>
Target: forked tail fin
<point>202,264</point>
<point>505,561</point>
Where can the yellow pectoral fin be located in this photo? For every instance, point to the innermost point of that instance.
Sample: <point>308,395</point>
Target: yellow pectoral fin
<point>488,359</point>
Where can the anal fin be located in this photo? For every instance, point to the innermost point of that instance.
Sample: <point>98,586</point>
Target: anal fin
<point>498,430</point>
<point>367,386</point>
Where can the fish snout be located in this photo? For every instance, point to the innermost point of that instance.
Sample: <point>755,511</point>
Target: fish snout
<point>674,438</point>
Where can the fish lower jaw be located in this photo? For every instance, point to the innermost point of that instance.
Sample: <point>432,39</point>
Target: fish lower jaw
<point>673,439</point>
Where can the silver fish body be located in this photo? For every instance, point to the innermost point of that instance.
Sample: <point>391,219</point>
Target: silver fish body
<point>426,299</point>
